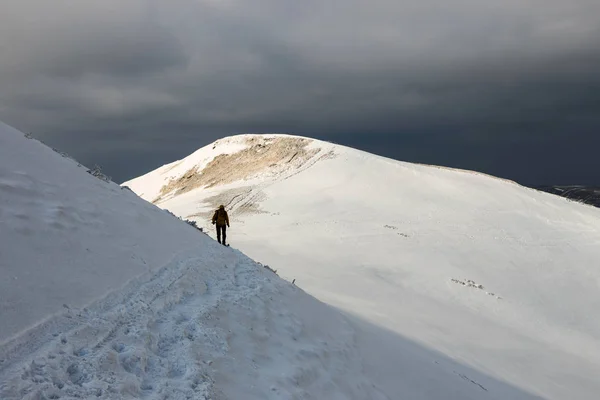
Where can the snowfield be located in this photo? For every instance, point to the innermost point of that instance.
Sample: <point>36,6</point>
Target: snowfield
<point>105,296</point>
<point>479,271</point>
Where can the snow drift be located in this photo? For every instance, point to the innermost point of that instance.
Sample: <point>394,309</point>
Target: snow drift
<point>497,276</point>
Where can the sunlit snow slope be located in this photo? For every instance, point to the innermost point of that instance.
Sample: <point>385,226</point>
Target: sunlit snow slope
<point>502,278</point>
<point>104,296</point>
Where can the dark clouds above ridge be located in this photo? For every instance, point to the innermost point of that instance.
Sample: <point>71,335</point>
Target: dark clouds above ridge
<point>510,88</point>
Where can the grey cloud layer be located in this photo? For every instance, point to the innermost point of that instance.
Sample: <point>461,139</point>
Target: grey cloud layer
<point>156,77</point>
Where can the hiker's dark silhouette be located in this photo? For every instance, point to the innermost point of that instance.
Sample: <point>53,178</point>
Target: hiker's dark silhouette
<point>221,220</point>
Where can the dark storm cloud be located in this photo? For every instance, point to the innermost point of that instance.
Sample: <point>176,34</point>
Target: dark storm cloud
<point>135,84</point>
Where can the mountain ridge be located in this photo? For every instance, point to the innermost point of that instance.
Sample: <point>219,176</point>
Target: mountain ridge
<point>552,189</point>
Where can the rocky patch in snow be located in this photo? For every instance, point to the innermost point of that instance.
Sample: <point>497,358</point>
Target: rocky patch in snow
<point>473,284</point>
<point>395,228</point>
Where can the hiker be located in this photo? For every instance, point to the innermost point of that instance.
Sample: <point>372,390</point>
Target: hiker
<point>221,219</point>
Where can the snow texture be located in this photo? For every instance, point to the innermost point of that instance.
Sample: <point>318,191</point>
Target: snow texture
<point>462,266</point>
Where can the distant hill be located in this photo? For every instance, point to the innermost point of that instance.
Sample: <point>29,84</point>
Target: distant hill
<point>583,194</point>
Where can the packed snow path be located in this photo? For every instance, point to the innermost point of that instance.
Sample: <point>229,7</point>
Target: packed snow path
<point>182,334</point>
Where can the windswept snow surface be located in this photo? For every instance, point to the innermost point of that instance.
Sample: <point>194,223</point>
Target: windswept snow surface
<point>501,278</point>
<point>105,296</point>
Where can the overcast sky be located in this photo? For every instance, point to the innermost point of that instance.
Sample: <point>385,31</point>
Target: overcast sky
<point>508,87</point>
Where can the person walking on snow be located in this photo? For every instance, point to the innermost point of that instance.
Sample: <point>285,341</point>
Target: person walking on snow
<point>221,219</point>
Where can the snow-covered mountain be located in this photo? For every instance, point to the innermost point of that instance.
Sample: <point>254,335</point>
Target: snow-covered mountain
<point>501,278</point>
<point>105,296</point>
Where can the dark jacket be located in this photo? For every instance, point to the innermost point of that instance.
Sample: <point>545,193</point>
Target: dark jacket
<point>220,217</point>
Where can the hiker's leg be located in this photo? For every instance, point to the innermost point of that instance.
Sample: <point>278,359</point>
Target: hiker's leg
<point>218,233</point>
<point>224,233</point>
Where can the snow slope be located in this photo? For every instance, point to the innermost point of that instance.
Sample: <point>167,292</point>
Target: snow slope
<point>105,296</point>
<point>501,278</point>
